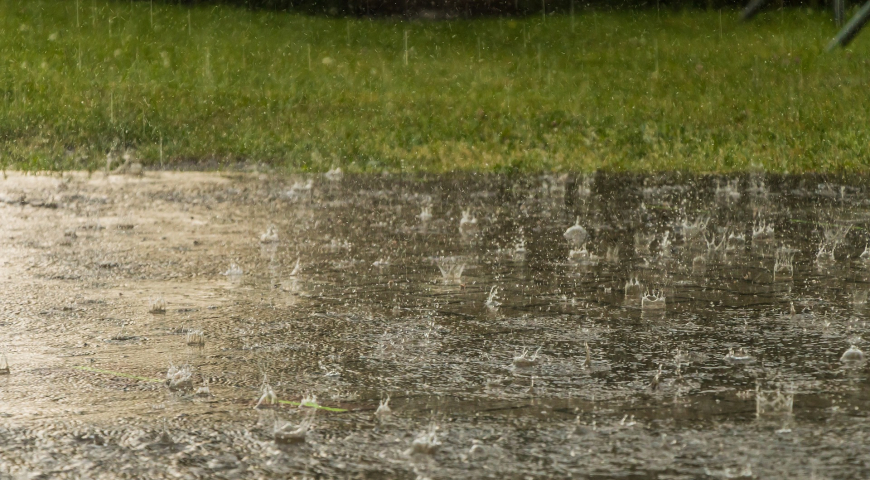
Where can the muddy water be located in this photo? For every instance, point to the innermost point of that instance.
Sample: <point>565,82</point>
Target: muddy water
<point>524,354</point>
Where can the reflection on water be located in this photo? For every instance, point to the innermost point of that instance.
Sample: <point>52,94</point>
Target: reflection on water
<point>606,325</point>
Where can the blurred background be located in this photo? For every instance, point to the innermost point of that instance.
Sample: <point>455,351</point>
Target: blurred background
<point>484,7</point>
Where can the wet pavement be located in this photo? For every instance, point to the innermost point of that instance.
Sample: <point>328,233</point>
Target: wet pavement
<point>607,326</point>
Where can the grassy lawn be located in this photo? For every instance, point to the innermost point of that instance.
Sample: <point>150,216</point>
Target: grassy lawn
<point>621,91</point>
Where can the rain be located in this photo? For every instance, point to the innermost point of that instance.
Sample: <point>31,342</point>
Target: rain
<point>165,333</point>
<point>221,261</point>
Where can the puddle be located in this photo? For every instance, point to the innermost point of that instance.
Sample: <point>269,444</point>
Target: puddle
<point>602,326</point>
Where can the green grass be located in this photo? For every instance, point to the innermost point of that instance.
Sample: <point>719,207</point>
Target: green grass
<point>620,91</point>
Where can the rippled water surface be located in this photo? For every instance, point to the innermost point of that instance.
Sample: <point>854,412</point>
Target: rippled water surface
<point>170,325</point>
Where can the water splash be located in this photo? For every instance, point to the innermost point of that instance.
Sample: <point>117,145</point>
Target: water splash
<point>825,253</point>
<point>492,302</point>
<point>735,242</point>
<point>384,410</point>
<point>195,337</point>
<point>451,269</point>
<point>694,230</point>
<point>286,432</point>
<point>297,268</point>
<point>267,395</point>
<point>783,265</point>
<point>665,245</point>
<point>852,355</point>
<point>729,192</point>
<point>270,235</point>
<point>576,235</point>
<point>336,245</point>
<point>524,360</point>
<point>739,358</point>
<point>715,245</point>
<point>203,390</point>
<point>642,242</point>
<point>834,235</point>
<point>757,188</point>
<point>653,300</point>
<point>762,231</point>
<point>582,256</point>
<point>773,403</point>
<point>633,291</point>
<point>309,400</point>
<point>234,273</point>
<point>157,306</point>
<point>859,297</point>
<point>122,335</point>
<point>299,190</point>
<point>425,214</point>
<point>426,442</point>
<point>381,262</point>
<point>612,255</point>
<point>334,174</point>
<point>179,377</point>
<point>467,224</point>
<point>656,381</point>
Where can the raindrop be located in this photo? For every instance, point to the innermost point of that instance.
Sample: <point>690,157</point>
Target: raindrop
<point>852,355</point>
<point>492,302</point>
<point>773,403</point>
<point>784,262</point>
<point>576,235</point>
<point>384,410</point>
<point>270,235</point>
<point>157,306</point>
<point>739,358</point>
<point>267,396</point>
<point>426,443</point>
<point>426,215</point>
<point>286,432</point>
<point>179,377</point>
<point>451,269</point>
<point>195,338</point>
<point>525,360</point>
<point>467,224</point>
<point>653,300</point>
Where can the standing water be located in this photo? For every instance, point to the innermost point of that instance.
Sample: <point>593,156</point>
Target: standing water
<point>433,327</point>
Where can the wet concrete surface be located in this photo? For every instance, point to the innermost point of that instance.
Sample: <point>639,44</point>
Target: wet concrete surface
<point>506,349</point>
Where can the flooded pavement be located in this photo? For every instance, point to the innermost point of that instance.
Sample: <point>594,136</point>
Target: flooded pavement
<point>208,325</point>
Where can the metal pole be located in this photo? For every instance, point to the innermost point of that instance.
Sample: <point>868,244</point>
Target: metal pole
<point>752,9</point>
<point>850,31</point>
